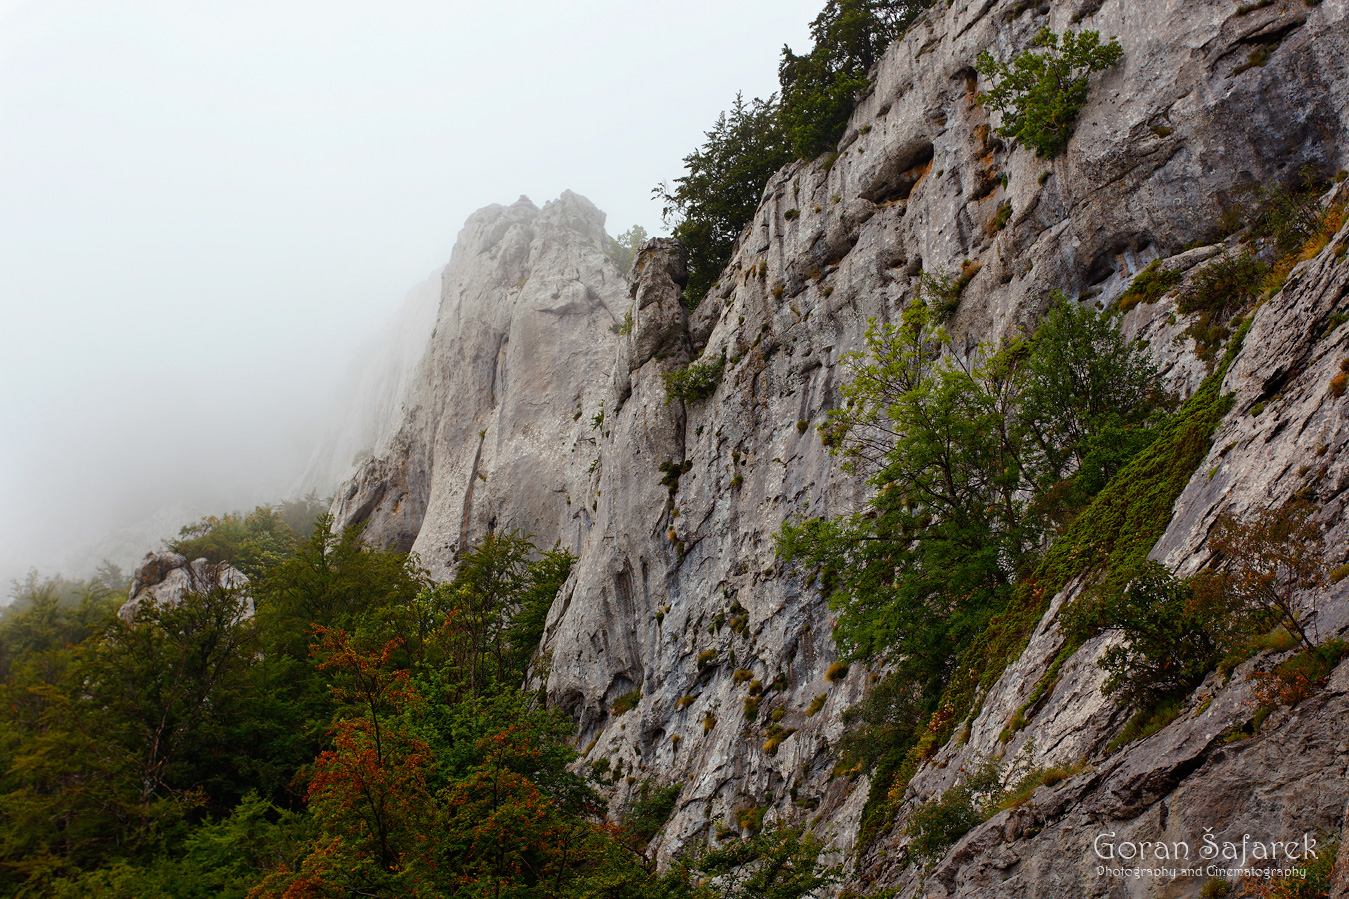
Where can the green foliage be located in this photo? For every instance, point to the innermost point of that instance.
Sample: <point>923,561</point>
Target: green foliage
<point>1107,541</point>
<point>1284,218</point>
<point>697,382</point>
<point>941,291</point>
<point>987,787</point>
<point>1148,286</point>
<point>46,615</point>
<point>821,88</point>
<point>624,248</point>
<point>363,734</point>
<point>723,181</point>
<point>880,731</point>
<point>930,553</point>
<point>1215,888</point>
<point>1090,401</point>
<point>333,579</point>
<point>973,462</point>
<point>627,702</point>
<point>1172,638</point>
<point>1039,94</point>
<point>719,192</point>
<point>774,863</point>
<point>1223,286</point>
<point>253,543</point>
<point>936,826</point>
<point>649,811</point>
<point>1144,723</point>
<point>1314,881</point>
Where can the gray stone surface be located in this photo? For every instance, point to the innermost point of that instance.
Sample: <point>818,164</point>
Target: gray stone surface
<point>164,578</point>
<point>667,578</point>
<point>495,429</point>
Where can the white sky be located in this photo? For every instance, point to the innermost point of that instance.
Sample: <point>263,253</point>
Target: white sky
<point>205,206</point>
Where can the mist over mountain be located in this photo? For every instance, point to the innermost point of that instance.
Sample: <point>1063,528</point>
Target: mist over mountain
<point>952,505</point>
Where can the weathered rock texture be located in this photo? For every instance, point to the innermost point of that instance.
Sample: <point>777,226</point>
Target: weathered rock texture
<point>495,430</point>
<point>164,578</point>
<point>677,594</point>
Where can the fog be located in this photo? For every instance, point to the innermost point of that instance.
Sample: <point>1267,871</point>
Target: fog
<point>210,212</point>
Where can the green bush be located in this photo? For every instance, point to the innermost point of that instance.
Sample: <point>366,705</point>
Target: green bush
<point>1148,286</point>
<point>936,826</point>
<point>253,543</point>
<point>1287,218</point>
<point>1144,723</point>
<point>1039,94</point>
<point>821,88</point>
<point>697,382</point>
<point>1223,286</point>
<point>1172,637</point>
<point>627,702</point>
<point>718,194</point>
<point>941,291</point>
<point>649,811</point>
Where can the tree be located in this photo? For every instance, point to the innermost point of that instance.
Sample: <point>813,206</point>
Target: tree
<point>333,580</point>
<point>918,574</point>
<point>821,89</point>
<point>777,863</point>
<point>720,191</point>
<point>165,683</point>
<point>1172,637</point>
<point>1040,94</point>
<point>624,248</point>
<point>1266,560</point>
<point>975,461</point>
<point>252,543</point>
<point>1090,401</point>
<point>117,740</point>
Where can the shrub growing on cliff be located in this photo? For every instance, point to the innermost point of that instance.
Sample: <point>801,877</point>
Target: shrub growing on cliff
<point>1265,560</point>
<point>1039,94</point>
<point>973,463</point>
<point>1223,286</point>
<point>821,88</point>
<point>697,382</point>
<point>1172,637</point>
<point>711,203</point>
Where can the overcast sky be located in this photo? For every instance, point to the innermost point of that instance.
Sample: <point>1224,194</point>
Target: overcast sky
<point>205,207</point>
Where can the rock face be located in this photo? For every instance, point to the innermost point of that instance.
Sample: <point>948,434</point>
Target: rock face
<point>672,506</point>
<point>164,578</point>
<point>495,428</point>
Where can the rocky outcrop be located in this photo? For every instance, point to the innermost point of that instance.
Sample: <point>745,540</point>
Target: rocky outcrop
<point>495,429</point>
<point>1221,767</point>
<point>676,602</point>
<point>165,578</point>
<point>1168,139</point>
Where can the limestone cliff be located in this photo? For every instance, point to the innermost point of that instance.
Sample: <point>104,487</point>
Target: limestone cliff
<point>676,600</point>
<point>495,427</point>
<point>164,578</point>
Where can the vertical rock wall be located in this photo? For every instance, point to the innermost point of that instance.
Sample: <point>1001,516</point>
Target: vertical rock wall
<point>673,506</point>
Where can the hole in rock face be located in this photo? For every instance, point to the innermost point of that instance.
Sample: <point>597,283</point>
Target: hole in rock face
<point>897,178</point>
<point>1102,268</point>
<point>1110,260</point>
